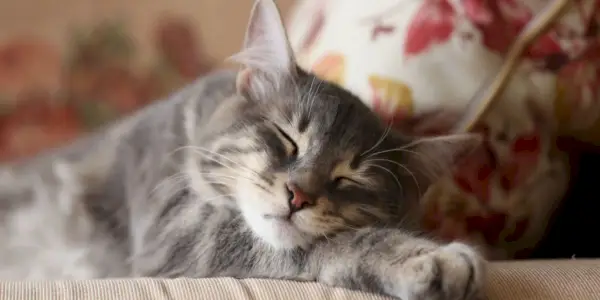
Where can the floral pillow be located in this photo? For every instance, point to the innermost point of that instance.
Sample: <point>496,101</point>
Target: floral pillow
<point>418,62</point>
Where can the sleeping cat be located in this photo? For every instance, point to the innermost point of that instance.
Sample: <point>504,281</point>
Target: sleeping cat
<point>266,172</point>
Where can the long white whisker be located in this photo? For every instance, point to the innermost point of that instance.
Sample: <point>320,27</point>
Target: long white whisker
<point>233,170</point>
<point>399,149</point>
<point>219,196</point>
<point>209,152</point>
<point>423,140</point>
<point>401,166</point>
<point>381,139</point>
<point>169,192</point>
<point>287,119</point>
<point>173,179</point>
<point>218,175</point>
<point>311,94</point>
<point>326,237</point>
<point>220,182</point>
<point>344,225</point>
<point>180,149</point>
<point>389,172</point>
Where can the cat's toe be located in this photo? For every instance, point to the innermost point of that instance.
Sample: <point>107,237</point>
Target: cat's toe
<point>452,272</point>
<point>463,270</point>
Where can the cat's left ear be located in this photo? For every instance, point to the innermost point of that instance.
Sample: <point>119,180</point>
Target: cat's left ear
<point>266,55</point>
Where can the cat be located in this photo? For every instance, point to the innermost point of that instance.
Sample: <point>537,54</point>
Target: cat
<point>267,172</point>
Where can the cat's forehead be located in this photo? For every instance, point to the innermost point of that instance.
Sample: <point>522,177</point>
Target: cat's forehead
<point>332,115</point>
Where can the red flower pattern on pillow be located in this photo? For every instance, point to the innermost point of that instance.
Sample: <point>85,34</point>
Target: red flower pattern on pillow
<point>475,173</point>
<point>432,24</point>
<point>524,157</point>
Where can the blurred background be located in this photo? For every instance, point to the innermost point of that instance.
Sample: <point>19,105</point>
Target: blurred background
<point>68,66</point>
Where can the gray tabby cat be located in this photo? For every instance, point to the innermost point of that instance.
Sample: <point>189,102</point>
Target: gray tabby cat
<point>268,173</point>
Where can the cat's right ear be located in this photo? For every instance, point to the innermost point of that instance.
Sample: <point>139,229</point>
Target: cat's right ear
<point>434,156</point>
<point>266,56</point>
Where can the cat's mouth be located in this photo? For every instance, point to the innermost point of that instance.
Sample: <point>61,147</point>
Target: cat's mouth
<point>281,218</point>
<point>285,221</point>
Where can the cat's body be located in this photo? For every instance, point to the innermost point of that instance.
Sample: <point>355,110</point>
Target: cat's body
<point>64,214</point>
<point>269,172</point>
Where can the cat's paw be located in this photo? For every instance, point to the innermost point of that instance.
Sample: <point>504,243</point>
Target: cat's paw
<point>451,272</point>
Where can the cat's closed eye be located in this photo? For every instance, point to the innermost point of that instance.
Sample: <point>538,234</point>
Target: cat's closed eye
<point>341,181</point>
<point>290,145</point>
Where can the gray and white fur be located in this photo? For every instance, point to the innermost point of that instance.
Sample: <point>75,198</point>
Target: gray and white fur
<point>267,172</point>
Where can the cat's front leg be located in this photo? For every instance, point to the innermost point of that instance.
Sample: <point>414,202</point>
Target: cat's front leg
<point>392,262</point>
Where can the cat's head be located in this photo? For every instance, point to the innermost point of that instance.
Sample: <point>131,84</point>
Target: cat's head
<point>303,158</point>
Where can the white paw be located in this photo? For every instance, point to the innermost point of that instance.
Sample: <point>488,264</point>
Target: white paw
<point>451,272</point>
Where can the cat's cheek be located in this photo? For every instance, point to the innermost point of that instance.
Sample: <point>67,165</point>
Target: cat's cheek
<point>313,222</point>
<point>254,162</point>
<point>257,200</point>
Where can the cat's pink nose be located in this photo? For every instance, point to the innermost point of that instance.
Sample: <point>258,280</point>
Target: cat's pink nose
<point>297,198</point>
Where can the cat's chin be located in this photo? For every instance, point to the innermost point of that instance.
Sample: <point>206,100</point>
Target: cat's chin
<point>280,233</point>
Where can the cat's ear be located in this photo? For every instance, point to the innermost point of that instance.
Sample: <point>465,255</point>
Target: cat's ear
<point>433,157</point>
<point>266,56</point>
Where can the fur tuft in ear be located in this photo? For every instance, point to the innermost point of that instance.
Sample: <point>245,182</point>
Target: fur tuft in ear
<point>242,81</point>
<point>266,55</point>
<point>434,157</point>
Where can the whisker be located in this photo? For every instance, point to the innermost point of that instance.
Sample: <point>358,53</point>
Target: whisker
<point>179,149</point>
<point>401,166</point>
<point>219,196</point>
<point>373,211</point>
<point>381,139</point>
<point>389,172</point>
<point>207,152</point>
<point>309,97</point>
<point>220,182</point>
<point>303,219</point>
<point>423,140</point>
<point>336,220</point>
<point>168,193</point>
<point>233,176</point>
<point>312,91</point>
<point>326,237</point>
<point>344,225</point>
<point>212,174</point>
<point>237,174</point>
<point>233,170</point>
<point>287,119</point>
<point>399,149</point>
<point>431,166</point>
<point>177,177</point>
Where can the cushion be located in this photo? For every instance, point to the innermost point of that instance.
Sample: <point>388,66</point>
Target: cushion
<point>531,280</point>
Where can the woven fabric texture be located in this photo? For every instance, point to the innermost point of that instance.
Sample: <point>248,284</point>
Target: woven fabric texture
<point>528,280</point>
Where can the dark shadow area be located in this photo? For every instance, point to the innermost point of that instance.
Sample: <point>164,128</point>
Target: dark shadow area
<point>574,231</point>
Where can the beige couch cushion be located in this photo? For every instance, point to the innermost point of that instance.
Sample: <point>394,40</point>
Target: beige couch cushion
<point>529,280</point>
